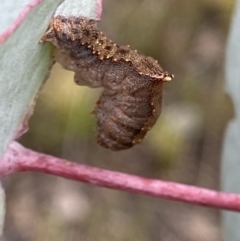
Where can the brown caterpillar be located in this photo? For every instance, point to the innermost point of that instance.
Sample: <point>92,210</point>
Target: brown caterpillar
<point>131,100</point>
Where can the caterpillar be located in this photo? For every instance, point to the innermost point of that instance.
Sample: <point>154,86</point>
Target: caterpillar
<point>130,103</point>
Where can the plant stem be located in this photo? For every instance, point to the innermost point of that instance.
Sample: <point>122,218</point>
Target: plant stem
<point>20,159</point>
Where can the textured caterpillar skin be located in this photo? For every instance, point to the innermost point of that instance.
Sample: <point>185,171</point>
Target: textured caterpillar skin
<point>130,103</point>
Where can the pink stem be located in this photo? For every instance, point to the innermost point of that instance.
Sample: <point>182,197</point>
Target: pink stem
<point>19,159</point>
<point>99,9</point>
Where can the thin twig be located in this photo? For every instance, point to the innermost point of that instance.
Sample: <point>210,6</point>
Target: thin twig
<point>20,159</point>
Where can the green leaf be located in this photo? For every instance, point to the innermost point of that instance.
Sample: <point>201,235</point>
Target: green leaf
<point>23,66</point>
<point>25,62</point>
<point>231,149</point>
<point>2,209</point>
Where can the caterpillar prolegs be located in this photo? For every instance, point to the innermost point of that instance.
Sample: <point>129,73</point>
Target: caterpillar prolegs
<point>130,103</point>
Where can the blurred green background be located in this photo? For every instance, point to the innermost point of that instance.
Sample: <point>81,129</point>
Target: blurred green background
<point>188,38</point>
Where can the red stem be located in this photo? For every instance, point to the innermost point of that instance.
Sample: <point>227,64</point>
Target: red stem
<point>19,159</point>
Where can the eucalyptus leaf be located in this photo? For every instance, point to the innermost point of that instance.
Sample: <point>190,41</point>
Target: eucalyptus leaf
<point>25,62</point>
<point>231,150</point>
<point>2,208</point>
